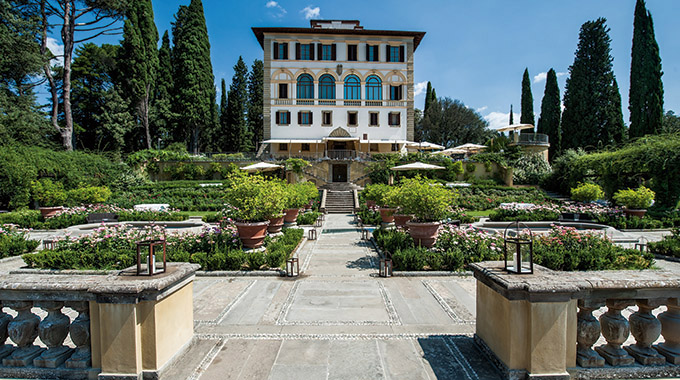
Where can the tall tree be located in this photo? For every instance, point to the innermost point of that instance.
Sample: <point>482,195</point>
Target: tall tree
<point>81,20</point>
<point>671,123</point>
<point>512,116</point>
<point>590,118</point>
<point>140,54</point>
<point>194,80</point>
<point>646,88</point>
<point>237,131</point>
<point>255,103</point>
<point>551,111</point>
<point>162,115</point>
<point>220,139</point>
<point>428,96</point>
<point>527,116</point>
<point>449,122</point>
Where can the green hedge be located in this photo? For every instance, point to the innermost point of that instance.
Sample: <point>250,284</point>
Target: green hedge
<point>182,195</point>
<point>14,242</point>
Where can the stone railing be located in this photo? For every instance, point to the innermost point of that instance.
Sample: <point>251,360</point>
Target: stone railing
<point>542,325</point>
<point>116,325</point>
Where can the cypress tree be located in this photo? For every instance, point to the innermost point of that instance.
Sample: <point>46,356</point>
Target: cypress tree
<point>646,88</point>
<point>239,139</point>
<point>140,54</point>
<point>428,97</point>
<point>255,104</point>
<point>590,118</point>
<point>512,117</point>
<point>220,139</point>
<point>527,115</point>
<point>194,89</point>
<point>162,116</point>
<point>549,121</point>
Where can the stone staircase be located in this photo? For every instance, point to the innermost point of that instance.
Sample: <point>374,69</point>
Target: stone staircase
<point>340,201</point>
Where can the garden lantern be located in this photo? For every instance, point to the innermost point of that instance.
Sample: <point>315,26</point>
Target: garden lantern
<point>152,254</point>
<point>385,267</point>
<point>518,249</point>
<point>293,267</point>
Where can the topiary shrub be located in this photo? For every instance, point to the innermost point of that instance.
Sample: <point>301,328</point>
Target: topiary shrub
<point>640,198</point>
<point>587,192</point>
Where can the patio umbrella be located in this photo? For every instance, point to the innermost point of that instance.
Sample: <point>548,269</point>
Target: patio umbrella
<point>471,147</point>
<point>451,151</point>
<point>260,167</point>
<point>425,146</point>
<point>416,166</point>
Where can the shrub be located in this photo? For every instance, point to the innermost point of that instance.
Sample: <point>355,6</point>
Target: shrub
<point>376,192</point>
<point>296,165</point>
<point>15,242</point>
<point>392,240</point>
<point>89,195</point>
<point>369,216</point>
<point>474,245</point>
<point>429,202</point>
<point>668,246</point>
<point>48,193</point>
<point>513,212</point>
<point>255,198</point>
<point>412,259</point>
<point>530,169</point>
<point>307,218</point>
<point>587,192</point>
<point>640,198</point>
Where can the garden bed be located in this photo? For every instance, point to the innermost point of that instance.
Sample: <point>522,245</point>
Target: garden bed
<point>15,242</point>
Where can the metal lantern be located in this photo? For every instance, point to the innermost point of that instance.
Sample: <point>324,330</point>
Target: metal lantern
<point>293,267</point>
<point>518,249</point>
<point>151,257</point>
<point>385,267</point>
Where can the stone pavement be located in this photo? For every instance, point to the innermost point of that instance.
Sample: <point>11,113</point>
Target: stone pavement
<point>338,320</point>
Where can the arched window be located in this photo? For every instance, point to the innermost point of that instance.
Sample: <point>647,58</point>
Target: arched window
<point>352,87</point>
<point>373,88</point>
<point>305,87</point>
<point>326,87</point>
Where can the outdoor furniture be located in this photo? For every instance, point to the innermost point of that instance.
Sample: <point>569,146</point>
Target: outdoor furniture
<point>101,217</point>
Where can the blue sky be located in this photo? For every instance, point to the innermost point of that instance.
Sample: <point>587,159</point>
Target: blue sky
<point>475,51</point>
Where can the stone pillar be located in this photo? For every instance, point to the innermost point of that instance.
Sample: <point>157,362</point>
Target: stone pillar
<point>23,330</point>
<point>615,330</point>
<point>5,319</point>
<point>80,335</point>
<point>670,329</point>
<point>588,332</point>
<point>53,330</point>
<point>646,329</point>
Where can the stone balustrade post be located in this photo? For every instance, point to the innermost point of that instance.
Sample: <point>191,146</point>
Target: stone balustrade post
<point>588,332</point>
<point>5,319</point>
<point>53,331</point>
<point>615,329</point>
<point>80,335</point>
<point>670,329</point>
<point>23,330</point>
<point>646,329</point>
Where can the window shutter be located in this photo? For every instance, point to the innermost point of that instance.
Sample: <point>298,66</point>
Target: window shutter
<point>398,119</point>
<point>285,50</point>
<point>402,54</point>
<point>401,95</point>
<point>368,50</point>
<point>376,49</point>
<point>333,52</point>
<point>388,56</point>
<point>311,120</point>
<point>311,51</point>
<point>288,117</point>
<point>278,119</point>
<point>276,50</point>
<point>297,51</point>
<point>319,52</point>
<point>299,117</point>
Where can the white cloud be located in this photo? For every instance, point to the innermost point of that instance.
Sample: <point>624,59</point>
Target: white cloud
<point>482,109</point>
<point>419,88</point>
<point>542,76</point>
<point>499,119</point>
<point>280,11</point>
<point>56,49</point>
<point>311,13</point>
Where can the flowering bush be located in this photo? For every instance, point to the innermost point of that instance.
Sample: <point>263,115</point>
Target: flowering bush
<point>587,192</point>
<point>668,246</point>
<point>516,211</point>
<point>14,241</point>
<point>474,245</point>
<point>458,213</point>
<point>640,198</point>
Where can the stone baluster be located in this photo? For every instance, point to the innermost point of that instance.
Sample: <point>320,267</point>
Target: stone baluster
<point>23,330</point>
<point>588,332</point>
<point>615,330</point>
<point>80,335</point>
<point>53,331</point>
<point>646,329</point>
<point>670,329</point>
<point>5,319</point>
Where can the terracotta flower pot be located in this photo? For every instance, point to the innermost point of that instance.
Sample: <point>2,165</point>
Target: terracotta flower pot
<point>424,234</point>
<point>308,206</point>
<point>48,212</point>
<point>387,214</point>
<point>291,215</point>
<point>252,234</point>
<point>370,204</point>
<point>401,219</point>
<point>275,225</point>
<point>634,212</point>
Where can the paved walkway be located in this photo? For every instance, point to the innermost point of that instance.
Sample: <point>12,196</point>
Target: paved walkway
<point>337,321</point>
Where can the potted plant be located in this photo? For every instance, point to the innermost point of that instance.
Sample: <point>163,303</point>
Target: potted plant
<point>636,201</point>
<point>254,203</point>
<point>373,194</point>
<point>309,191</point>
<point>49,195</point>
<point>399,217</point>
<point>428,203</point>
<point>277,191</point>
<point>296,197</point>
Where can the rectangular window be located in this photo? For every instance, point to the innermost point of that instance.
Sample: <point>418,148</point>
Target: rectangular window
<point>305,51</point>
<point>304,147</point>
<point>282,117</point>
<point>395,147</point>
<point>283,90</point>
<point>305,117</point>
<point>372,119</point>
<point>326,117</point>
<point>352,53</point>
<point>280,50</point>
<point>395,93</point>
<point>283,147</point>
<point>326,52</point>
<point>372,53</point>
<point>394,54</point>
<point>394,119</point>
<point>352,118</point>
<point>373,147</point>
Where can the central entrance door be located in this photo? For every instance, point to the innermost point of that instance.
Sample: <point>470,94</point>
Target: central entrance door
<point>339,172</point>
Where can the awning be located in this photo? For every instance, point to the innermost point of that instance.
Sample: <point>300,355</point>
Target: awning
<point>261,166</point>
<point>340,138</point>
<point>292,141</point>
<point>384,141</point>
<point>417,166</point>
<point>515,127</point>
<point>424,145</point>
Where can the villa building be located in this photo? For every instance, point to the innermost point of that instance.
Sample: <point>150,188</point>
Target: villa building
<point>336,92</point>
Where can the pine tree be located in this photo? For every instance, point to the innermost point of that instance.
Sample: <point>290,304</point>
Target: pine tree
<point>590,118</point>
<point>428,97</point>
<point>512,116</point>
<point>255,104</point>
<point>220,139</point>
<point>646,88</point>
<point>162,116</point>
<point>140,54</point>
<point>527,116</point>
<point>549,121</point>
<point>239,139</point>
<point>195,93</point>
